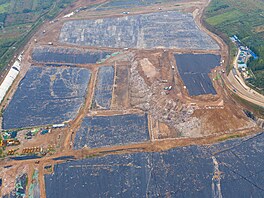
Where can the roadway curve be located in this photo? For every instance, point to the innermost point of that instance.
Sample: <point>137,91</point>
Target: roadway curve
<point>231,82</point>
<point>241,89</point>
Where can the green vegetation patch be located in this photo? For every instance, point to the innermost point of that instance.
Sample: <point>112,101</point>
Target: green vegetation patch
<point>244,18</point>
<point>227,137</point>
<point>18,21</point>
<point>257,110</point>
<point>225,17</point>
<point>4,7</point>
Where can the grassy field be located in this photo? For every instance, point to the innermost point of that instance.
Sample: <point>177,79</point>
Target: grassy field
<point>244,18</point>
<point>18,21</point>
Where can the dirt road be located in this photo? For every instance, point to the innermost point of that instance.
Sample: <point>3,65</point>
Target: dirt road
<point>149,146</point>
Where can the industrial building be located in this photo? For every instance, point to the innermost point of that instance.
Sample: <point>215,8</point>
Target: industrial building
<point>9,79</point>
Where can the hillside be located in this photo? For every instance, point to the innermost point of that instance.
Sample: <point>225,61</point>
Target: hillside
<point>244,18</point>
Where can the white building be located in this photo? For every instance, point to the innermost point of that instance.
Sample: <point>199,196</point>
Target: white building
<point>9,79</point>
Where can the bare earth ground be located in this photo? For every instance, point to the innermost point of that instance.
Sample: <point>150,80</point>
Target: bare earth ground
<point>175,119</point>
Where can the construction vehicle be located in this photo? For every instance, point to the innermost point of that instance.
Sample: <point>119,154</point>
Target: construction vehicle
<point>11,142</point>
<point>8,166</point>
<point>31,150</point>
<point>11,152</point>
<point>24,150</point>
<point>168,88</point>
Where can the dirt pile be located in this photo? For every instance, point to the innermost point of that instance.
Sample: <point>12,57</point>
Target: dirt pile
<point>226,119</point>
<point>139,92</point>
<point>260,123</point>
<point>147,93</point>
<point>173,112</point>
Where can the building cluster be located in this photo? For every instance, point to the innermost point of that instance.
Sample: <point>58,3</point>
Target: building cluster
<point>243,57</point>
<point>244,53</point>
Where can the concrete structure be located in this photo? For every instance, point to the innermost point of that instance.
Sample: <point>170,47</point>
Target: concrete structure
<point>58,126</point>
<point>9,79</point>
<point>241,88</point>
<point>242,65</point>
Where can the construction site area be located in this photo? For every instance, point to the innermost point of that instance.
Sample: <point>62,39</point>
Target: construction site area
<point>114,99</point>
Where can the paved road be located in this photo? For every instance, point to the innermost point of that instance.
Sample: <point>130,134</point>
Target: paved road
<point>242,89</point>
<point>231,82</point>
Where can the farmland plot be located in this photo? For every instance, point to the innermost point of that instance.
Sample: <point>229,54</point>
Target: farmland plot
<point>118,4</point>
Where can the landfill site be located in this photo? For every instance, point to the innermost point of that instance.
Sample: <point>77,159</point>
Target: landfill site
<point>121,99</point>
